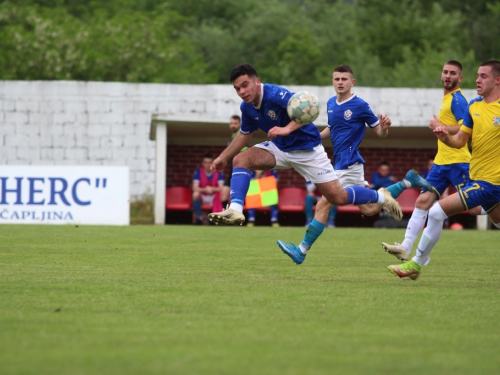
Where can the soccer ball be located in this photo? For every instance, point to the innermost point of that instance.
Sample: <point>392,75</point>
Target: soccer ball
<point>303,107</point>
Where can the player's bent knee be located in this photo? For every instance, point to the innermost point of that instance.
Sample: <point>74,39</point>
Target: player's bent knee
<point>425,201</point>
<point>241,161</point>
<point>437,213</point>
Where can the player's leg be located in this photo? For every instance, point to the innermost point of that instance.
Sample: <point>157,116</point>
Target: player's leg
<point>411,180</point>
<point>309,203</point>
<point>415,225</point>
<point>359,195</point>
<point>495,216</point>
<point>197,207</point>
<point>439,178</point>
<point>332,215</point>
<point>256,157</point>
<point>437,214</point>
<point>251,217</point>
<point>274,216</point>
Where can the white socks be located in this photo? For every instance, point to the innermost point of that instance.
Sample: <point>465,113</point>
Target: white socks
<point>236,206</point>
<point>431,235</point>
<point>415,225</point>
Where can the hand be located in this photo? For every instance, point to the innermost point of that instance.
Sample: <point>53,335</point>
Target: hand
<point>433,124</point>
<point>209,190</point>
<point>277,131</point>
<point>218,165</point>
<point>442,133</point>
<point>385,121</point>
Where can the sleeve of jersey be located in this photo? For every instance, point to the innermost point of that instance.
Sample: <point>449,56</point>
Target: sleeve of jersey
<point>282,97</point>
<point>247,124</point>
<point>458,108</point>
<point>467,123</point>
<point>369,116</point>
<point>196,176</point>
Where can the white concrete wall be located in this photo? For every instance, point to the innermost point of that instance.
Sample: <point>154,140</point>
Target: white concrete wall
<point>96,123</point>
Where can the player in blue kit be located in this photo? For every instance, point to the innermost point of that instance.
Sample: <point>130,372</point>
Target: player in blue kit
<point>348,116</point>
<point>482,123</point>
<point>292,145</point>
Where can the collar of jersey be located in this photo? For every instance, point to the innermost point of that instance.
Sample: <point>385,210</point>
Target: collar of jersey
<point>345,101</point>
<point>261,96</point>
<point>454,91</point>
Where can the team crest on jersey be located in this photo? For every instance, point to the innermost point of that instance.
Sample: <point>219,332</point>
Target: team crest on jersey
<point>496,121</point>
<point>347,114</point>
<point>272,114</point>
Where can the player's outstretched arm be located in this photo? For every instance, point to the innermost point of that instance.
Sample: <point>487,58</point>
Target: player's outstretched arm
<point>458,140</point>
<point>283,132</point>
<point>238,142</point>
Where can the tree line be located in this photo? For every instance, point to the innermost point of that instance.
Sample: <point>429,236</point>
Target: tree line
<point>388,43</point>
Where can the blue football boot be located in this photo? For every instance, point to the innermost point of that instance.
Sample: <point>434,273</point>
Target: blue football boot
<point>292,251</point>
<point>417,181</point>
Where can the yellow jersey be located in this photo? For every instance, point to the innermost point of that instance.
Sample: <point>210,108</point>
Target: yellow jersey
<point>482,121</point>
<point>451,113</point>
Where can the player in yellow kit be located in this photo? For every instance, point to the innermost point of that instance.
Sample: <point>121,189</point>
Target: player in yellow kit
<point>451,165</point>
<point>482,122</point>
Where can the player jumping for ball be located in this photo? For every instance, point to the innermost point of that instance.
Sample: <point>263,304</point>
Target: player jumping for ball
<point>348,116</point>
<point>292,145</point>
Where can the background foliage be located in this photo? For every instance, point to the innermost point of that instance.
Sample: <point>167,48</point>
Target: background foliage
<point>389,43</point>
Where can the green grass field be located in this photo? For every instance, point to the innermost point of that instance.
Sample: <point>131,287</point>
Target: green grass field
<point>226,300</point>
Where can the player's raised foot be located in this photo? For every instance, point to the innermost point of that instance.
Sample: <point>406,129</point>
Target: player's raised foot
<point>390,205</point>
<point>416,180</point>
<point>409,270</point>
<point>227,217</point>
<point>397,250</point>
<point>292,251</point>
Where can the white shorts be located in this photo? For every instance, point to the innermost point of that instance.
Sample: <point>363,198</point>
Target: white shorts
<point>353,176</point>
<point>207,199</point>
<point>314,166</point>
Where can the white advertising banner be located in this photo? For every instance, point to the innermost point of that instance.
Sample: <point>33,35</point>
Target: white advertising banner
<point>64,195</point>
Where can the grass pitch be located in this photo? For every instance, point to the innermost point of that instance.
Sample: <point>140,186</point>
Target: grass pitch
<point>224,300</point>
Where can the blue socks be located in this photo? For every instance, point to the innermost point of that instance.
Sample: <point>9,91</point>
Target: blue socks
<point>361,195</point>
<point>313,231</point>
<point>251,215</point>
<point>309,207</point>
<point>396,189</point>
<point>240,181</point>
<point>333,213</point>
<point>197,209</point>
<point>274,214</point>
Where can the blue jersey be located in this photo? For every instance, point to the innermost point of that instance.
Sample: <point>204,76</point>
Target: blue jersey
<point>379,182</point>
<point>347,121</point>
<point>272,112</point>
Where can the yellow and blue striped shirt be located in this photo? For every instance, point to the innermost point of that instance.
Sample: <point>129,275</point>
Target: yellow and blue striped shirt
<point>482,121</point>
<point>451,113</point>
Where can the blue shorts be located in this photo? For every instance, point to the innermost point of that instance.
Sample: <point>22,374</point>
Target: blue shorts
<point>442,176</point>
<point>480,193</point>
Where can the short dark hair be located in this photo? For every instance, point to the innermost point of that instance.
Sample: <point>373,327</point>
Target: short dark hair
<point>455,63</point>
<point>236,117</point>
<point>383,162</point>
<point>494,65</point>
<point>208,156</point>
<point>344,69</point>
<point>241,70</point>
